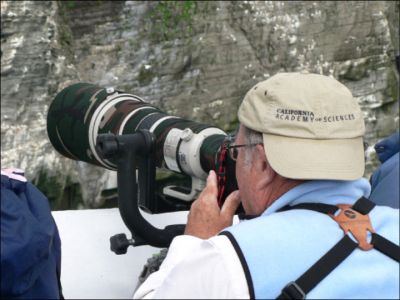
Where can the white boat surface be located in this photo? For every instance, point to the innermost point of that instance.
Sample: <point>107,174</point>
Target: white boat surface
<point>89,269</point>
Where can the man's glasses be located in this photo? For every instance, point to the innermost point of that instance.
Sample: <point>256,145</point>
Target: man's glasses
<point>233,150</point>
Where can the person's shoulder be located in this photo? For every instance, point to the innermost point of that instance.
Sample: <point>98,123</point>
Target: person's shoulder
<point>393,160</point>
<point>385,183</point>
<point>387,213</point>
<point>385,221</point>
<point>278,225</point>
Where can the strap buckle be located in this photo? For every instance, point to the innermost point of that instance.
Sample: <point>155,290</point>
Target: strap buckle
<point>293,291</point>
<point>358,224</point>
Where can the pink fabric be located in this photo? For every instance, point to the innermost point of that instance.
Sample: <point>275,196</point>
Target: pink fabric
<point>14,173</point>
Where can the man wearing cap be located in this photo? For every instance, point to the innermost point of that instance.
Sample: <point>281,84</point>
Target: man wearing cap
<point>299,165</point>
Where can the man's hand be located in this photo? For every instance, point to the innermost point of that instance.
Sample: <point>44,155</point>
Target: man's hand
<point>205,218</point>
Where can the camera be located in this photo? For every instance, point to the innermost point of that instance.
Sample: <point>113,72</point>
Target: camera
<point>120,131</point>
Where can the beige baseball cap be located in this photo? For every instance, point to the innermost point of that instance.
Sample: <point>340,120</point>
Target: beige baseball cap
<point>312,126</point>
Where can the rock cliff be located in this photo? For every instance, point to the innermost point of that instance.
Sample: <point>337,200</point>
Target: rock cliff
<point>192,59</point>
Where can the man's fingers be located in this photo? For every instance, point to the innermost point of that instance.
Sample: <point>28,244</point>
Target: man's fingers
<point>231,204</point>
<point>212,185</point>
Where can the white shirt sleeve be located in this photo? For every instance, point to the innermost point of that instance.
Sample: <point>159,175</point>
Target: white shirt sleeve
<point>196,268</point>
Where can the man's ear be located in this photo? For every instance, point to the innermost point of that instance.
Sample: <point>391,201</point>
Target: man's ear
<point>259,159</point>
<point>263,168</point>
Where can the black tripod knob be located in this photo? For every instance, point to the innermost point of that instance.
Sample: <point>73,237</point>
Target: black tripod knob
<point>119,243</point>
<point>107,145</point>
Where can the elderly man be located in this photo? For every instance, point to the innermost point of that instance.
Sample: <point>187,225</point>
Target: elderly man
<point>309,230</point>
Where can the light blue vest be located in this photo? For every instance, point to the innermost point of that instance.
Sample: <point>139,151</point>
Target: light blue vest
<point>277,248</point>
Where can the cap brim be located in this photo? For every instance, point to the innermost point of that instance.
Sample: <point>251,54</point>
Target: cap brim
<point>296,158</point>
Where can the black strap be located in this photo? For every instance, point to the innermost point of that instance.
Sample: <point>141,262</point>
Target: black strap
<point>363,206</point>
<point>385,246</point>
<point>318,207</point>
<point>243,262</point>
<point>316,273</point>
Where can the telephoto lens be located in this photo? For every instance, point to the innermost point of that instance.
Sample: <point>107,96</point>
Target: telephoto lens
<point>82,111</point>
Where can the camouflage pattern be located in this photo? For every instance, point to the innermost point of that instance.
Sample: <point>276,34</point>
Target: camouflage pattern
<point>82,111</point>
<point>66,120</point>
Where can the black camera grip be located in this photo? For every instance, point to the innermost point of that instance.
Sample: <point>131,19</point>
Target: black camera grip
<point>126,150</point>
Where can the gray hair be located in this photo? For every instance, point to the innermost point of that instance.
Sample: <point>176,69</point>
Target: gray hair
<point>251,137</point>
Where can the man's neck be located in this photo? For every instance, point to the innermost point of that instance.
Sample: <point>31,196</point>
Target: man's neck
<point>279,186</point>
